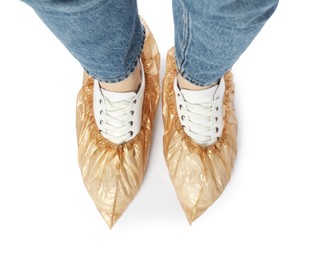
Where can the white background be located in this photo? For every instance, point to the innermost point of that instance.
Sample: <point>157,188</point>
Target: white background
<point>266,211</point>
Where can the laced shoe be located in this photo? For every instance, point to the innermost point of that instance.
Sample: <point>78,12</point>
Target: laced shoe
<point>199,166</point>
<point>114,135</point>
<point>118,115</point>
<point>201,112</point>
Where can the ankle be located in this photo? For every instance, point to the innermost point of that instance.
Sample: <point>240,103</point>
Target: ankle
<point>131,83</point>
<point>185,84</point>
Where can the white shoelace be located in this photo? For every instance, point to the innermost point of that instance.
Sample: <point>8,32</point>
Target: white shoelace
<point>116,118</point>
<point>199,117</point>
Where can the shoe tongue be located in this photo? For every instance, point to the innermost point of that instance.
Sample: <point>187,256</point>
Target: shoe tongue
<point>199,96</point>
<point>117,96</point>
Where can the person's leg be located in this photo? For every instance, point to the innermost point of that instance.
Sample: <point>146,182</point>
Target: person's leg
<point>200,136</point>
<point>211,35</point>
<point>105,36</point>
<point>114,122</point>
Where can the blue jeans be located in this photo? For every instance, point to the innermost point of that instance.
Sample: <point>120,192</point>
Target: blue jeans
<point>106,36</point>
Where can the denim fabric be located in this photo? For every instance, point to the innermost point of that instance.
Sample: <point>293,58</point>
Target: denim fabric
<point>211,35</point>
<point>107,38</point>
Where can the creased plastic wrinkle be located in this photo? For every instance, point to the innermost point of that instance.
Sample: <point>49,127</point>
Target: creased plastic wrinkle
<point>113,173</point>
<point>199,174</point>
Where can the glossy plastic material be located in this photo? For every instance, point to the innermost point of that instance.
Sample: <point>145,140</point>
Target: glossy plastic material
<point>113,173</point>
<point>199,174</point>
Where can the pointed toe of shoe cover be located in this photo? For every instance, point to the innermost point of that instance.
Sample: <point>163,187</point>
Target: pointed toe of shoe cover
<point>199,175</point>
<point>113,173</point>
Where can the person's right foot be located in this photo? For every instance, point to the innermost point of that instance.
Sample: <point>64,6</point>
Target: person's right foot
<point>118,115</point>
<point>113,153</point>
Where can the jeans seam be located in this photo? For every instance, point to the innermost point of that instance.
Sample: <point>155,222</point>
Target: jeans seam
<point>181,60</point>
<point>129,70</point>
<point>185,37</point>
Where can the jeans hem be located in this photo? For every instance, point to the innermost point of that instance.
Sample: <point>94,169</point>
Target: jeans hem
<point>129,70</point>
<point>187,77</point>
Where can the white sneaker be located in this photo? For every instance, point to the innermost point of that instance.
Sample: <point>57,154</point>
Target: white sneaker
<point>118,115</point>
<point>201,112</point>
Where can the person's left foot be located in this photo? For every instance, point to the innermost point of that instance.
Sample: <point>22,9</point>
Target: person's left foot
<point>201,112</point>
<point>199,164</point>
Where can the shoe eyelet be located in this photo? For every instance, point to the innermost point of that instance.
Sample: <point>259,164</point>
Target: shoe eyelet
<point>134,101</point>
<point>132,112</point>
<point>100,131</point>
<point>217,129</point>
<point>216,119</point>
<point>216,108</point>
<point>131,133</point>
<point>180,106</point>
<point>100,101</point>
<point>131,123</point>
<point>178,95</point>
<point>217,98</point>
<point>182,117</point>
<point>101,112</point>
<point>101,122</point>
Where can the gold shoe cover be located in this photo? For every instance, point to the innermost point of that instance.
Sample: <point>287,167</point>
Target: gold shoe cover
<point>199,175</point>
<point>113,173</point>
